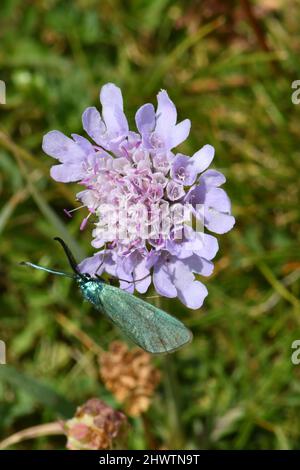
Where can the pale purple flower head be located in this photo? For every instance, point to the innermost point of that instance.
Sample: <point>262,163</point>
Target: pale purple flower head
<point>138,189</point>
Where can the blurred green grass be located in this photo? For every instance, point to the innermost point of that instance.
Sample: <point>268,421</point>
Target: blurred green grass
<point>234,387</point>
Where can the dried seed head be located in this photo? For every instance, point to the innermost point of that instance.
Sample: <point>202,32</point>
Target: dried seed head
<point>95,426</point>
<point>130,376</point>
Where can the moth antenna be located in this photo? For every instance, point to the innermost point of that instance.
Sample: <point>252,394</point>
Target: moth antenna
<point>47,270</point>
<point>69,255</point>
<point>134,280</point>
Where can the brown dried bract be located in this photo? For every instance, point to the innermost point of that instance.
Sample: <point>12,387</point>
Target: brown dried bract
<point>130,376</point>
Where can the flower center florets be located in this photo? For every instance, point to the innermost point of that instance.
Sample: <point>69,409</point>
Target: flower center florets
<point>132,195</point>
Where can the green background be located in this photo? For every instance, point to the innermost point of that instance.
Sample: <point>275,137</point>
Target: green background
<point>234,386</point>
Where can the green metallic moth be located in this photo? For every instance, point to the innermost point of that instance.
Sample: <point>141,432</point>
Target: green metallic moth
<point>149,327</point>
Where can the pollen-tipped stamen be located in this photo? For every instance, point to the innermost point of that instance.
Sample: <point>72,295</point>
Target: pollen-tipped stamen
<point>69,212</point>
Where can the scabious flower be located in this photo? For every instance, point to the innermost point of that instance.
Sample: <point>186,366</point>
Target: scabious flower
<point>138,191</point>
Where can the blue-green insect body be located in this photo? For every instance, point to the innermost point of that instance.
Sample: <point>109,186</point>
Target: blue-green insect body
<point>148,326</point>
<point>91,289</point>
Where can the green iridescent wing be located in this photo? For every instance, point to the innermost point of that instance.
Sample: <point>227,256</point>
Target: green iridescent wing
<point>151,328</point>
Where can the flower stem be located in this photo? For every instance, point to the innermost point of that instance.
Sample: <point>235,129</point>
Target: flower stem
<point>176,435</point>
<point>47,429</point>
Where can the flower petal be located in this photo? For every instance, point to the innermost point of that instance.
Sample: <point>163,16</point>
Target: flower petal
<point>174,190</point>
<point>67,173</point>
<point>162,281</point>
<point>209,248</point>
<point>180,133</point>
<point>199,265</point>
<point>83,143</point>
<point>141,272</point>
<point>128,286</point>
<point>93,124</point>
<point>182,170</point>
<point>166,113</point>
<point>218,222</point>
<point>203,158</point>
<point>196,195</point>
<point>193,295</point>
<point>217,198</point>
<point>126,280</point>
<point>112,110</point>
<point>145,118</point>
<point>111,95</point>
<point>93,265</point>
<point>59,146</point>
<point>116,122</point>
<point>212,178</point>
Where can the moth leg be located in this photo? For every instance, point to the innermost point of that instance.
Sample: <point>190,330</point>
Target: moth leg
<point>102,261</point>
<point>134,281</point>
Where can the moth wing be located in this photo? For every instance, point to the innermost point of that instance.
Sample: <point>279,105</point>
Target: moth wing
<point>148,326</point>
